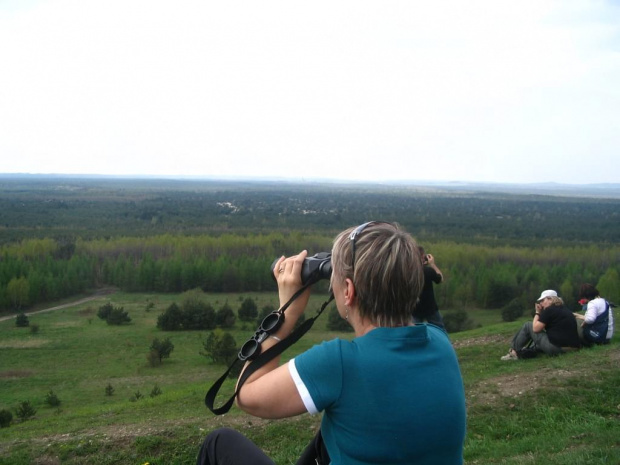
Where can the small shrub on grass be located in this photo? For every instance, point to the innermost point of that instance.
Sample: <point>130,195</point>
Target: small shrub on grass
<point>512,311</point>
<point>118,316</point>
<point>225,317</point>
<point>52,399</point>
<point>34,329</point>
<point>104,311</point>
<point>171,319</point>
<point>197,312</point>
<point>109,390</point>
<point>162,349</point>
<point>5,418</point>
<point>21,320</point>
<point>458,321</point>
<point>113,315</point>
<point>156,391</point>
<point>25,410</point>
<point>194,313</point>
<point>220,347</point>
<point>153,358</point>
<point>248,310</point>
<point>137,396</point>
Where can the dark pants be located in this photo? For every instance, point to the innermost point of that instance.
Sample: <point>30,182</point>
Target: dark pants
<point>226,446</point>
<point>526,335</point>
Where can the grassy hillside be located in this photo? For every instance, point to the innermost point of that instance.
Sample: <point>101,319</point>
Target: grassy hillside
<point>563,410</point>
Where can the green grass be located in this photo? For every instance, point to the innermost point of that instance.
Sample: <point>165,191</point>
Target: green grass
<point>563,410</point>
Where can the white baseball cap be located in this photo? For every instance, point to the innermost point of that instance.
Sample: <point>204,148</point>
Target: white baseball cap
<point>547,293</point>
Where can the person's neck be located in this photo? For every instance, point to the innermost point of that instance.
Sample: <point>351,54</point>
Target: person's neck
<point>363,328</point>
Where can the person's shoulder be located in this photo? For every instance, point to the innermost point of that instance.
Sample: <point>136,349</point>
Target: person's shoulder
<point>564,310</point>
<point>554,311</point>
<point>598,305</point>
<point>560,308</point>
<point>332,343</point>
<point>325,352</point>
<point>328,347</point>
<point>439,335</point>
<point>436,331</point>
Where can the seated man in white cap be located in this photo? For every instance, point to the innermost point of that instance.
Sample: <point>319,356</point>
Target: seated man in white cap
<point>553,329</point>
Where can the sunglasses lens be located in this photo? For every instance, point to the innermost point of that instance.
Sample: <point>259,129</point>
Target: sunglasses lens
<point>249,350</point>
<point>272,322</point>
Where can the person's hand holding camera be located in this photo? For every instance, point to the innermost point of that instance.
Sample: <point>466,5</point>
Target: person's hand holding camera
<point>287,272</point>
<point>538,308</point>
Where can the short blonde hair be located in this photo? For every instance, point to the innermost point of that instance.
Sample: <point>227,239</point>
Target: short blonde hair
<point>555,300</point>
<point>387,274</point>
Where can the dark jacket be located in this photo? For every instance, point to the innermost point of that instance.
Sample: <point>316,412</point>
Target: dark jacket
<point>427,305</point>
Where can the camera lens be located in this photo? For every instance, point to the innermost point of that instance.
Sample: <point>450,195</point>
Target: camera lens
<point>317,267</point>
<point>314,268</point>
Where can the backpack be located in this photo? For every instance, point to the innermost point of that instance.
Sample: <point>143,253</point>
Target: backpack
<point>597,332</point>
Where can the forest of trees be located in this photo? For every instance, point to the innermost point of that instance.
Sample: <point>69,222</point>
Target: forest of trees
<point>478,276</point>
<point>66,209</point>
<point>61,239</point>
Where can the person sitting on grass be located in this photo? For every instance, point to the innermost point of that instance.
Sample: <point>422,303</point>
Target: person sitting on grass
<point>598,321</point>
<point>553,329</point>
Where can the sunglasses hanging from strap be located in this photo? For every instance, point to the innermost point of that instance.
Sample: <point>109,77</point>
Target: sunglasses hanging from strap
<point>251,350</point>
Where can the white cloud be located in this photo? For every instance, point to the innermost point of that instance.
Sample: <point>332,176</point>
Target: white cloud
<point>483,90</point>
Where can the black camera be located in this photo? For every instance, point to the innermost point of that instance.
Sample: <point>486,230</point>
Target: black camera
<point>314,268</point>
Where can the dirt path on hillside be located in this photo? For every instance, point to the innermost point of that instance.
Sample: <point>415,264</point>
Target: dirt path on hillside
<point>96,295</point>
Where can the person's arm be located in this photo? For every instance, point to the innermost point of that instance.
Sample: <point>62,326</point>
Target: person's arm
<point>590,315</point>
<point>430,261</point>
<point>270,392</point>
<point>272,395</point>
<point>537,325</point>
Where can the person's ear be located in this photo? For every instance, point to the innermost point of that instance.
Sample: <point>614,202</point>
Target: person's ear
<point>349,292</point>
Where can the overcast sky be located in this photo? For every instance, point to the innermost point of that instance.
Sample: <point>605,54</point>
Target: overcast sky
<point>492,91</point>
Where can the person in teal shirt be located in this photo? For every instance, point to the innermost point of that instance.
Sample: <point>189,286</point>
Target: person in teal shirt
<point>392,395</point>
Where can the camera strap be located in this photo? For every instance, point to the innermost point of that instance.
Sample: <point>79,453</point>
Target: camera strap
<point>262,358</point>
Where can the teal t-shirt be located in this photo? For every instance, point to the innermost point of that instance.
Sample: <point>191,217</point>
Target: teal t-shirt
<point>392,396</point>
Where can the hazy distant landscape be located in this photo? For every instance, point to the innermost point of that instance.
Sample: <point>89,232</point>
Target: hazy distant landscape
<point>90,207</point>
<point>608,190</point>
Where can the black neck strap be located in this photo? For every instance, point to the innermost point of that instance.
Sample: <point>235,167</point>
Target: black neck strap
<point>261,359</point>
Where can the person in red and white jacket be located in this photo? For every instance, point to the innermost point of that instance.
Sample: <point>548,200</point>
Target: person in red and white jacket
<point>598,322</point>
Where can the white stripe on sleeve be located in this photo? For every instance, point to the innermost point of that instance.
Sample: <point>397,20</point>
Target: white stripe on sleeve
<point>301,388</point>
